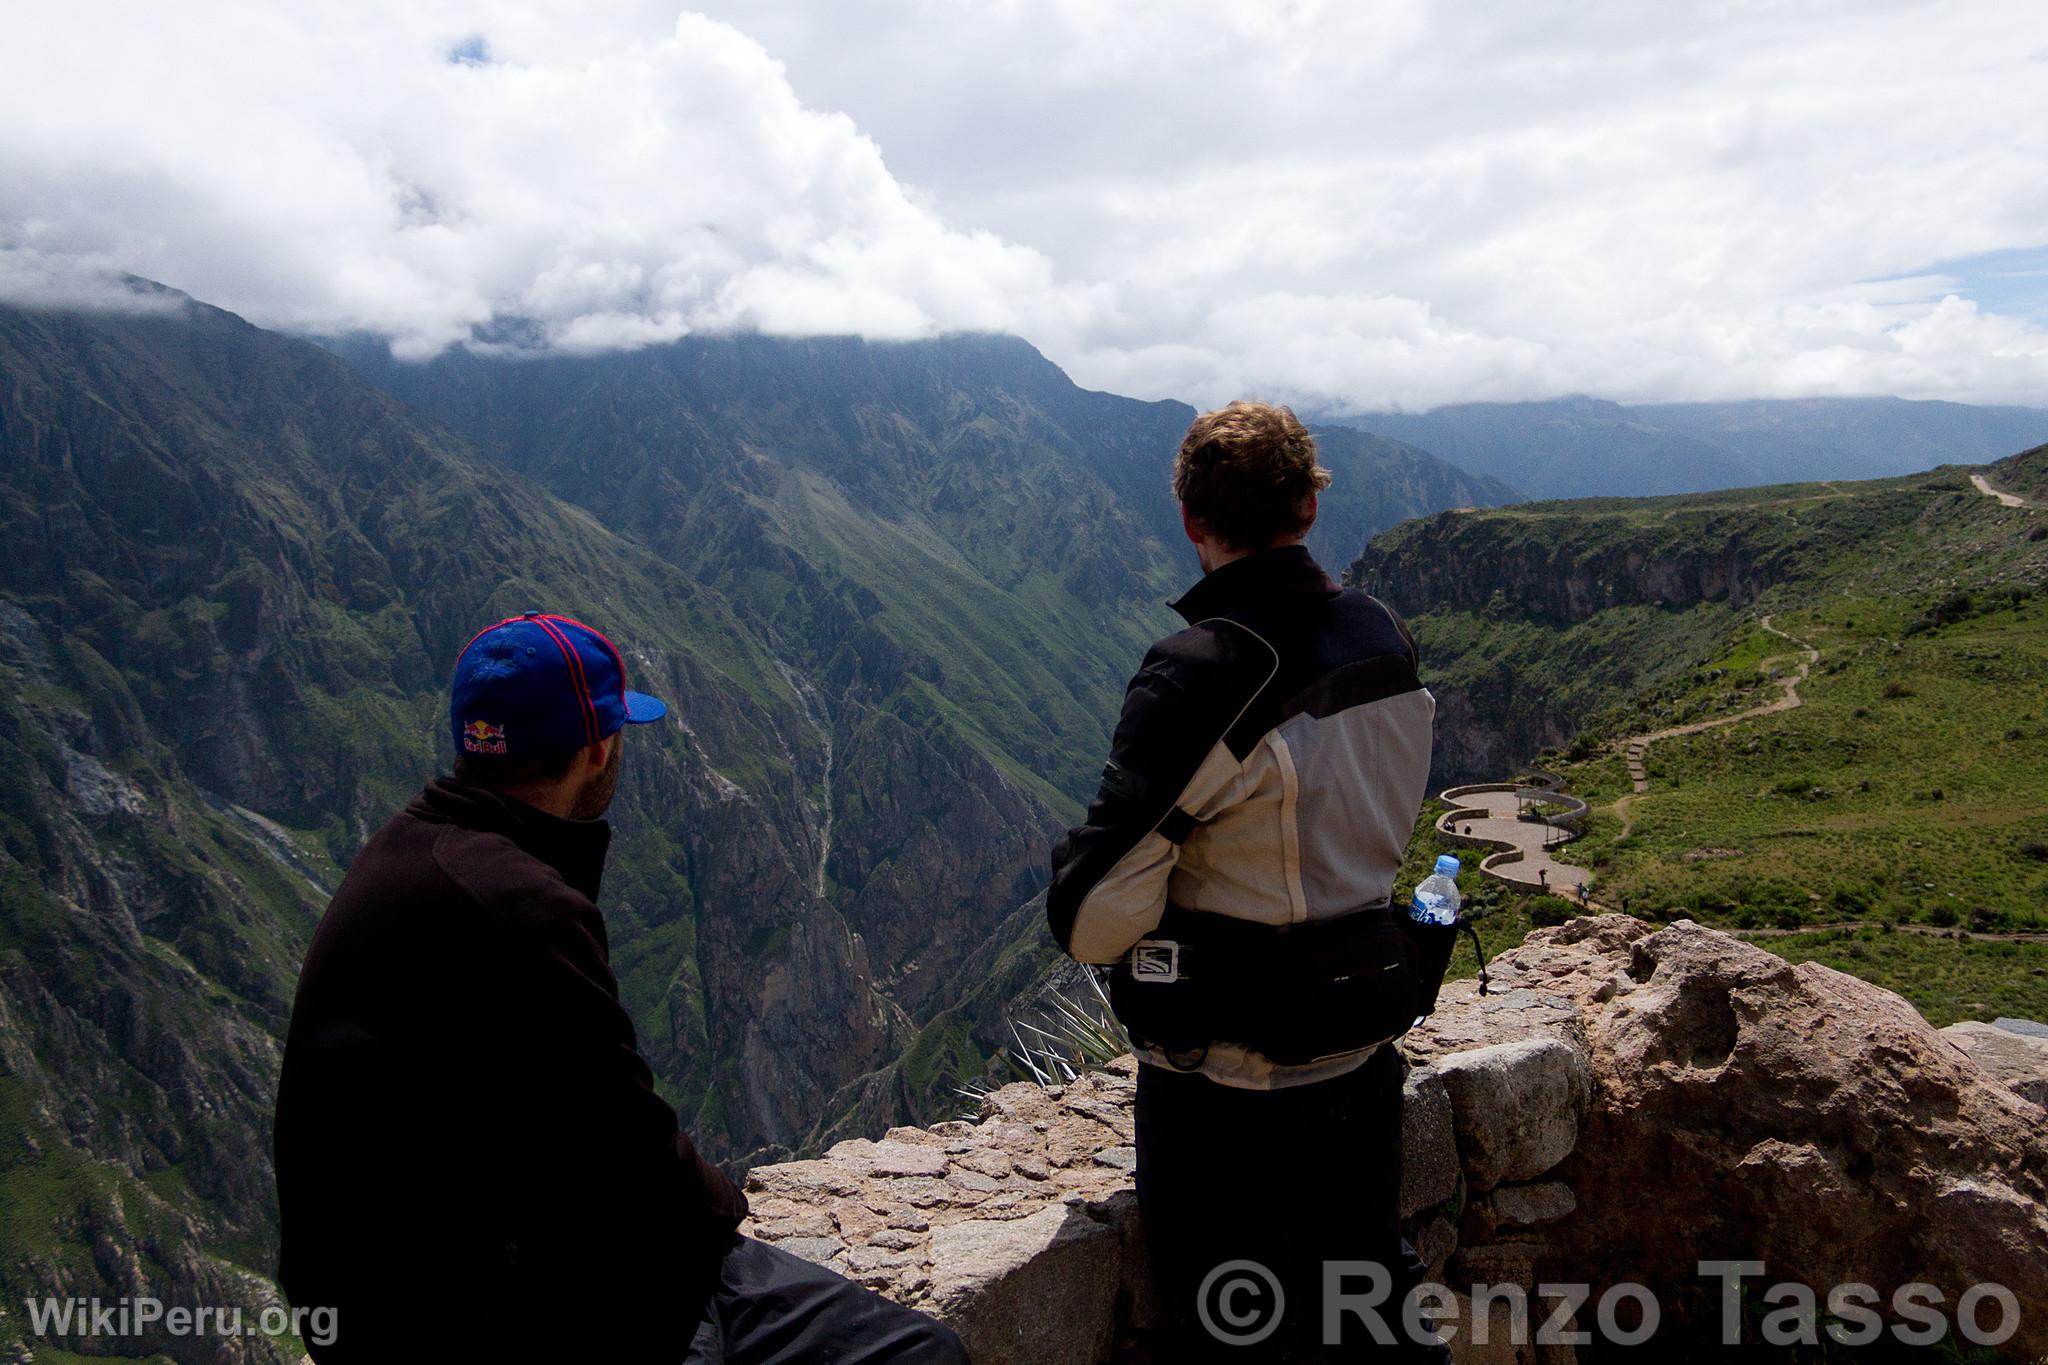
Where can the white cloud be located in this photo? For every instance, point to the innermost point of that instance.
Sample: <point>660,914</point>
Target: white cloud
<point>1351,206</point>
<point>318,179</point>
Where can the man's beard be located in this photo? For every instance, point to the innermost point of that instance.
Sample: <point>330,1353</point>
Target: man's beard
<point>596,796</point>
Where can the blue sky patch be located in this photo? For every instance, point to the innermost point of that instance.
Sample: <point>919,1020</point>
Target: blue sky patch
<point>471,51</point>
<point>2013,282</point>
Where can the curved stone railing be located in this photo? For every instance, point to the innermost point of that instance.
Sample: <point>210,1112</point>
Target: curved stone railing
<point>1575,809</point>
<point>1570,823</point>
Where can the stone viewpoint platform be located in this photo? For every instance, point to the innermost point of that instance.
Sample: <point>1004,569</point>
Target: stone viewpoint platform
<point>1628,1101</point>
<point>1526,822</point>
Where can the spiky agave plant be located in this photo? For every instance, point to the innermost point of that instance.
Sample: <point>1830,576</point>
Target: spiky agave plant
<point>1074,1031</point>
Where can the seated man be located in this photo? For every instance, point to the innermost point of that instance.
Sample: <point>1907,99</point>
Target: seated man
<point>472,1161</point>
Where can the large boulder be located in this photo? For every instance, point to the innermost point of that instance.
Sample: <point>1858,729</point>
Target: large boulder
<point>1749,1109</point>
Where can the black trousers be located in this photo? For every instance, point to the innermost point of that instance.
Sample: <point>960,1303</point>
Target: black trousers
<point>1247,1197</point>
<point>772,1308</point>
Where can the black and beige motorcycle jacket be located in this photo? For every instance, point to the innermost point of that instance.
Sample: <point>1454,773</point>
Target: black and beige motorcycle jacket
<point>1268,766</point>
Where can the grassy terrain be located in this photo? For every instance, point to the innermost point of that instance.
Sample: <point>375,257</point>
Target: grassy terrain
<point>1906,787</point>
<point>1904,796</point>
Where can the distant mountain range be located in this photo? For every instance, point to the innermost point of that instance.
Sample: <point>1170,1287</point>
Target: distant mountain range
<point>1588,447</point>
<point>892,593</point>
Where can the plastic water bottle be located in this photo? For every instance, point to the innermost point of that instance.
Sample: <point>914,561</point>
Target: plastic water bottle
<point>1436,899</point>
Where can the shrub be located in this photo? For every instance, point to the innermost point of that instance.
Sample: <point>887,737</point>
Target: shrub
<point>1787,916</point>
<point>1894,691</point>
<point>1550,911</point>
<point>2036,849</point>
<point>1941,916</point>
<point>1955,607</point>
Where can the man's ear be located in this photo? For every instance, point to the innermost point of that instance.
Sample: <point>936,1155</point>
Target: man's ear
<point>1194,530</point>
<point>595,756</point>
<point>1308,512</point>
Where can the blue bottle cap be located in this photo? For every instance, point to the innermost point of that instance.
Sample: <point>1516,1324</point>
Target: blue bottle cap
<point>1447,864</point>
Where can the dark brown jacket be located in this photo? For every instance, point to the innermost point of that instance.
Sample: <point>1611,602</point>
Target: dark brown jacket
<point>471,1155</point>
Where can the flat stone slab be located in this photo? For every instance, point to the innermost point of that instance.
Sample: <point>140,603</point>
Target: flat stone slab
<point>2018,1060</point>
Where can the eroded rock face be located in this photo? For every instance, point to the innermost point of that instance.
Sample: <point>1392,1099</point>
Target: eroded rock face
<point>1628,1102</point>
<point>1748,1108</point>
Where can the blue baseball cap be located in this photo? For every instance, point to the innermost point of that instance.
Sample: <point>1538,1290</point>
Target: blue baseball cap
<point>537,685</point>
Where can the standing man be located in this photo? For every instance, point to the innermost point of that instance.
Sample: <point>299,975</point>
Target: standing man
<point>472,1160</point>
<point>1237,866</point>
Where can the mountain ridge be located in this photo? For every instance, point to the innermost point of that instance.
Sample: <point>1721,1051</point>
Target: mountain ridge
<point>1580,446</point>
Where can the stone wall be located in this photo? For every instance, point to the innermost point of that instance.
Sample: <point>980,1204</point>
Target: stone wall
<point>1628,1101</point>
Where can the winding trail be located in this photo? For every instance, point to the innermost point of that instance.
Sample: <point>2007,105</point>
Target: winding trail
<point>2008,499</point>
<point>1638,747</point>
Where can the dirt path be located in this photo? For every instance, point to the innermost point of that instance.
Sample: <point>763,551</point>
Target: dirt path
<point>2008,499</point>
<point>1621,811</point>
<point>1638,747</point>
<point>1925,930</point>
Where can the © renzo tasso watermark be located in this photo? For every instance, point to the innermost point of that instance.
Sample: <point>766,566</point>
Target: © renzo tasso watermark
<point>112,1319</point>
<point>1242,1303</point>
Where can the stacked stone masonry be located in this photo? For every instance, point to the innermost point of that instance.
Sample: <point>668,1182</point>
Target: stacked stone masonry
<point>1628,1100</point>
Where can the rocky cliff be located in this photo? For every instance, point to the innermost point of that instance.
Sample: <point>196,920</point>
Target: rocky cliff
<point>1629,1102</point>
<point>1534,619</point>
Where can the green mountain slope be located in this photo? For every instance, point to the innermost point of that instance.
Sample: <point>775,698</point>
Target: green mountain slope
<point>891,593</point>
<point>1902,795</point>
<point>237,579</point>
<point>942,537</point>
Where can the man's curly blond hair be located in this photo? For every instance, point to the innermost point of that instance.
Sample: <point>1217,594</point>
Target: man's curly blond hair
<point>1246,471</point>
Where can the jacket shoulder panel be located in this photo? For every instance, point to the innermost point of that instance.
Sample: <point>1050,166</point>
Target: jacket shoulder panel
<point>514,888</point>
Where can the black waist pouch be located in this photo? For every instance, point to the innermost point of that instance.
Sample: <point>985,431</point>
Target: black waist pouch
<point>1293,993</point>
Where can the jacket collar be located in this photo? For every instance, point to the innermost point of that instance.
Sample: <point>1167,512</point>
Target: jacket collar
<point>574,848</point>
<point>1283,572</point>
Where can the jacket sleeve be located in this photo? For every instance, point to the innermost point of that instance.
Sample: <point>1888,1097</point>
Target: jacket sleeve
<point>624,1181</point>
<point>1110,872</point>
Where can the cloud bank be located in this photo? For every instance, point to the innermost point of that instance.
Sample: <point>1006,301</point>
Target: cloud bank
<point>1347,206</point>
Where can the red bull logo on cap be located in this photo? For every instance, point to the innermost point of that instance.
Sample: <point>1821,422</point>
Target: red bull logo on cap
<point>482,737</point>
